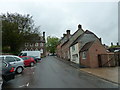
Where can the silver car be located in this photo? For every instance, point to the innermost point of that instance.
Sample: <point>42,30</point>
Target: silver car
<point>15,61</point>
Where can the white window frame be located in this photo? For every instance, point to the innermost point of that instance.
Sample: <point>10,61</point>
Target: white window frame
<point>84,55</point>
<point>73,48</point>
<point>36,44</point>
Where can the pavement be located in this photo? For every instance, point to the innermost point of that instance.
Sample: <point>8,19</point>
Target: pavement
<point>106,73</point>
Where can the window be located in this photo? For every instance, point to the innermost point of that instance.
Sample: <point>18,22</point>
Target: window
<point>9,59</point>
<point>17,59</point>
<point>31,45</point>
<point>73,48</point>
<point>26,44</point>
<point>36,49</point>
<point>75,56</point>
<point>84,55</point>
<point>4,64</point>
<point>36,44</point>
<point>41,44</point>
<point>24,54</point>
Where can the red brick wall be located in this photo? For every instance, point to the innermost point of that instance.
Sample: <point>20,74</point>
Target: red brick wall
<point>86,61</point>
<point>92,55</point>
<point>59,51</point>
<point>94,51</point>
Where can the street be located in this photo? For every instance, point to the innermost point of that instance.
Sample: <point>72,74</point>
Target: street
<point>53,73</point>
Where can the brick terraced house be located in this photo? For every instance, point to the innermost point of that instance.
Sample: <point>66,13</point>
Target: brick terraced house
<point>37,44</point>
<point>82,48</point>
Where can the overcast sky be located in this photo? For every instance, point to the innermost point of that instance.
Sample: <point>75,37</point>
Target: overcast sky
<point>55,17</point>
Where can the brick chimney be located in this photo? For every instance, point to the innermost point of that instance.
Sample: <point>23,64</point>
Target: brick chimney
<point>79,26</point>
<point>68,33</point>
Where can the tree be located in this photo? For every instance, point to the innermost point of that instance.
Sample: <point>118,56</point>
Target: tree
<point>16,30</point>
<point>51,44</point>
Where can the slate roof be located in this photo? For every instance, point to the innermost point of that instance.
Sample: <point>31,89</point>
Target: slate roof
<point>87,46</point>
<point>86,32</point>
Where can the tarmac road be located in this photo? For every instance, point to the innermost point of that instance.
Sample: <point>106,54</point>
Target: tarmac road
<point>53,73</point>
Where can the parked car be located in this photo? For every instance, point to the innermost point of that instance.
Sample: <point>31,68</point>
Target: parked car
<point>30,53</point>
<point>15,61</point>
<point>28,61</point>
<point>8,72</point>
<point>36,58</point>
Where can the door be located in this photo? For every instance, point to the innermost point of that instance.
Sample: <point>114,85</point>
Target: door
<point>99,61</point>
<point>19,61</point>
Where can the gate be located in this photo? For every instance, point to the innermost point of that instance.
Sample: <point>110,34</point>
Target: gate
<point>109,60</point>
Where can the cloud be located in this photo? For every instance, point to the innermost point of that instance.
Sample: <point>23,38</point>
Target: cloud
<point>56,17</point>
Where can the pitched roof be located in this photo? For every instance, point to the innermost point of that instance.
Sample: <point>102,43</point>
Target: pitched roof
<point>72,36</point>
<point>87,46</point>
<point>86,32</point>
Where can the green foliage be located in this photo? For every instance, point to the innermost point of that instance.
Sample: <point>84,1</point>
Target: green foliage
<point>114,46</point>
<point>16,30</point>
<point>51,44</point>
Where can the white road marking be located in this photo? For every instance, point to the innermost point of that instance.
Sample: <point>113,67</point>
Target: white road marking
<point>22,86</point>
<point>27,84</point>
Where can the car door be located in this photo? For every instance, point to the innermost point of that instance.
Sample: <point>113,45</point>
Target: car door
<point>19,61</point>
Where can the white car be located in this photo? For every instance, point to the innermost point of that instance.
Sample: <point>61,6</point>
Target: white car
<point>15,61</point>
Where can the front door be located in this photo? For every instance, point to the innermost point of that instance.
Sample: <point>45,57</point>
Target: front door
<point>99,61</point>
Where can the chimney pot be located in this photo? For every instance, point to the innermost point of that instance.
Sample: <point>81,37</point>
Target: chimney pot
<point>68,32</point>
<point>79,26</point>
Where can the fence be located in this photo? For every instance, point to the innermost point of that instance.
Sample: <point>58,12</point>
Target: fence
<point>106,60</point>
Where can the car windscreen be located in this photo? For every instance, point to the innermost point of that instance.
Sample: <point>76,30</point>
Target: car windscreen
<point>33,57</point>
<point>20,54</point>
<point>25,58</point>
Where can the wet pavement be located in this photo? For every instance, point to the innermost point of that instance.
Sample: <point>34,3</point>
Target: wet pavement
<point>53,73</point>
<point>107,73</point>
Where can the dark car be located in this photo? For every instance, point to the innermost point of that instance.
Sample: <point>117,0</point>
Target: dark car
<point>8,71</point>
<point>36,58</point>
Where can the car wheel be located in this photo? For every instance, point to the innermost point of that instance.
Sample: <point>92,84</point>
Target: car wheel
<point>19,70</point>
<point>32,64</point>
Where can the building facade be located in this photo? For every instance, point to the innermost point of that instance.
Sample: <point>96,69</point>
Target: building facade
<point>66,45</point>
<point>90,52</point>
<point>77,45</point>
<point>37,44</point>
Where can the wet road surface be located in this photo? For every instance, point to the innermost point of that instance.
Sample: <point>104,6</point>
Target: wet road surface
<point>53,73</point>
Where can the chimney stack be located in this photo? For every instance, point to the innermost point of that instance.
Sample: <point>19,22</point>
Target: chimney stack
<point>64,35</point>
<point>100,40</point>
<point>79,26</point>
<point>68,33</point>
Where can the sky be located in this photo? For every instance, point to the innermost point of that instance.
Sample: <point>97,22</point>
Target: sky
<point>56,16</point>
